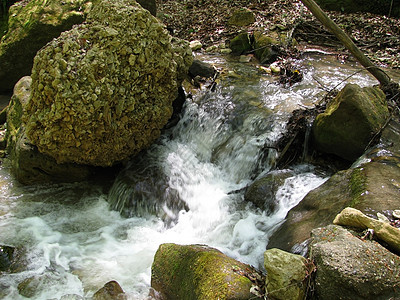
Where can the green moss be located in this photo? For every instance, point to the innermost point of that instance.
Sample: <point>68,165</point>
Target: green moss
<point>198,272</point>
<point>358,186</point>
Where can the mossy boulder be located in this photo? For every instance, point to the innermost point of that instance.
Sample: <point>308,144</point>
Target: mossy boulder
<point>30,26</point>
<point>242,17</point>
<point>351,268</point>
<point>287,275</point>
<point>350,121</point>
<point>240,44</point>
<point>264,47</point>
<point>200,272</point>
<point>93,105</point>
<point>28,165</point>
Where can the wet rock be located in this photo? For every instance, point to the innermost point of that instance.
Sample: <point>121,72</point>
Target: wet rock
<point>111,291</point>
<point>142,189</point>
<point>317,209</point>
<point>30,26</point>
<point>265,47</point>
<point>354,268</point>
<point>382,230</point>
<point>200,272</point>
<point>72,297</point>
<point>242,17</point>
<point>6,257</point>
<point>200,68</point>
<point>350,121</point>
<point>286,275</point>
<point>263,190</point>
<point>28,165</point>
<point>31,287</point>
<point>240,44</point>
<point>92,105</point>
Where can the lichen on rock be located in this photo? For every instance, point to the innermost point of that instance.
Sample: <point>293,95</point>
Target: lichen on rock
<point>102,91</point>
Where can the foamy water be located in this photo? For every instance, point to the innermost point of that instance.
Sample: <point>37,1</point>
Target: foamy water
<point>74,243</point>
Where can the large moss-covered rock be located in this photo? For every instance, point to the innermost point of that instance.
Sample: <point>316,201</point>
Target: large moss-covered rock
<point>350,121</point>
<point>199,272</point>
<point>351,268</point>
<point>93,105</point>
<point>31,24</point>
<point>27,164</point>
<point>287,275</point>
<point>382,7</point>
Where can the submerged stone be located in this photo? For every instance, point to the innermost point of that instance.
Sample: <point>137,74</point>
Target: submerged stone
<point>263,190</point>
<point>200,272</point>
<point>6,257</point>
<point>110,291</point>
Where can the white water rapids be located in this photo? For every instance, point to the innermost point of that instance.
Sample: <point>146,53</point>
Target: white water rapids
<point>73,243</point>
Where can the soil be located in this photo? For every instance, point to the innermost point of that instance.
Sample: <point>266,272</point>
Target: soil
<point>206,20</point>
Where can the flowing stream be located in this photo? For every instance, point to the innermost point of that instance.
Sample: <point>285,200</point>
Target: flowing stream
<point>190,185</point>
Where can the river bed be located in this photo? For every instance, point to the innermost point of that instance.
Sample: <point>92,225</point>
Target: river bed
<point>74,243</point>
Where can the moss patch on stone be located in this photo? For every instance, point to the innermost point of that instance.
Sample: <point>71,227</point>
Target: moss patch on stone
<point>199,272</point>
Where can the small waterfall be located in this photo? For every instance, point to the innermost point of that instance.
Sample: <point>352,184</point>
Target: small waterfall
<point>188,188</point>
<point>222,132</point>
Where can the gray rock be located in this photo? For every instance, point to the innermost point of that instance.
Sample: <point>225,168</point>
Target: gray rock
<point>200,68</point>
<point>349,268</point>
<point>317,209</point>
<point>287,275</point>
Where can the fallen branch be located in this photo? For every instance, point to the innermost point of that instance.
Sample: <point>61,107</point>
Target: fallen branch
<point>378,73</point>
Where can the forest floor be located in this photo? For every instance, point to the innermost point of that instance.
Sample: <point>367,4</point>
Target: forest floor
<point>206,20</point>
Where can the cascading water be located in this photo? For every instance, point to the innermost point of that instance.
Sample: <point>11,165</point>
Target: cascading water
<point>188,188</point>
